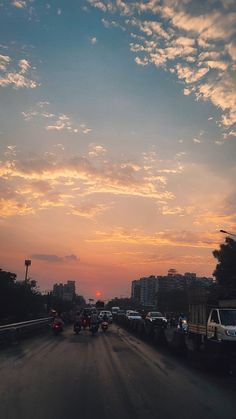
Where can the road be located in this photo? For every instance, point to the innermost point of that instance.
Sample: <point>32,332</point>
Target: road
<point>113,375</point>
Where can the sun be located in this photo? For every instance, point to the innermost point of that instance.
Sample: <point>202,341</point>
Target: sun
<point>98,294</point>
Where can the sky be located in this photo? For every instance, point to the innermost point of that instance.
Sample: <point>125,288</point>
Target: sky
<point>117,139</point>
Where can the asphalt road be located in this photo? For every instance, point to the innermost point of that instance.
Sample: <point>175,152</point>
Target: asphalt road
<point>112,375</point>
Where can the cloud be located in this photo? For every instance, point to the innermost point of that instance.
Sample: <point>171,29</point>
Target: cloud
<point>93,40</point>
<point>196,45</point>
<point>55,122</point>
<point>98,4</point>
<point>11,151</point>
<point>4,61</point>
<point>112,24</point>
<point>55,258</point>
<point>181,238</point>
<point>180,211</point>
<point>11,207</point>
<point>20,4</point>
<point>16,78</point>
<point>140,61</point>
<point>96,150</point>
<point>88,210</point>
<point>54,181</point>
<point>24,66</point>
<point>213,26</point>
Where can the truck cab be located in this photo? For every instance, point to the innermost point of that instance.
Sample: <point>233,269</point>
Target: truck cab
<point>221,324</point>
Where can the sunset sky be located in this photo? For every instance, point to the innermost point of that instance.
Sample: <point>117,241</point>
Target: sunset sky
<point>117,139</point>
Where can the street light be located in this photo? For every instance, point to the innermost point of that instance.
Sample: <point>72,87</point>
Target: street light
<point>227,232</point>
<point>27,264</point>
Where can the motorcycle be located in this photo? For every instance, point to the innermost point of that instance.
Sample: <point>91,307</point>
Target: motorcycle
<point>57,328</point>
<point>183,326</point>
<point>77,328</point>
<point>93,328</point>
<point>104,326</point>
<point>85,323</point>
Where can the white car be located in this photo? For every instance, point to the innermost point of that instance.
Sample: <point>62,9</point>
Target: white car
<point>156,316</point>
<point>108,314</point>
<point>134,315</point>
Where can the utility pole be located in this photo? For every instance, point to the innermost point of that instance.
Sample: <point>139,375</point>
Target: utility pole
<point>27,264</point>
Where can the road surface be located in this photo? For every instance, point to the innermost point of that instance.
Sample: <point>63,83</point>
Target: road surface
<point>107,376</point>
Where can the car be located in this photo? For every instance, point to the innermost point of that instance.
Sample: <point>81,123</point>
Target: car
<point>156,317</point>
<point>134,315</point>
<point>127,312</point>
<point>108,314</point>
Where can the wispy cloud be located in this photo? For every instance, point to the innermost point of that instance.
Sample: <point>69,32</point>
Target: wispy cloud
<point>55,122</point>
<point>163,238</point>
<point>55,258</point>
<point>56,181</point>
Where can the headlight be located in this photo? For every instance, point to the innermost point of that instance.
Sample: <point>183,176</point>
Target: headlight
<point>230,332</point>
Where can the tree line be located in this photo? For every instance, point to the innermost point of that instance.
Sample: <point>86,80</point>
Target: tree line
<point>22,301</point>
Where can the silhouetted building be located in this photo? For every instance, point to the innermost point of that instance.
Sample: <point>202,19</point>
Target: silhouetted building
<point>135,290</point>
<point>147,291</point>
<point>58,290</point>
<point>65,291</point>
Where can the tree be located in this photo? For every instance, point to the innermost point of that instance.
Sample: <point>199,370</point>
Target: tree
<point>19,300</point>
<point>99,304</point>
<point>225,271</point>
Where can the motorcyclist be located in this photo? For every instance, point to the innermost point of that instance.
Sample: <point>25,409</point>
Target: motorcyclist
<point>94,318</point>
<point>58,320</point>
<point>182,318</point>
<point>78,318</point>
<point>105,317</point>
<point>94,322</point>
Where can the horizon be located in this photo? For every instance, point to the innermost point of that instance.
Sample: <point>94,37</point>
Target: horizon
<point>117,139</point>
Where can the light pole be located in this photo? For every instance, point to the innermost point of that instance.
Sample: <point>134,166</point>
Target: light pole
<point>27,264</point>
<point>227,232</point>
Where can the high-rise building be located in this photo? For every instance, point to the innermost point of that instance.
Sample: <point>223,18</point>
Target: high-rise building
<point>65,291</point>
<point>135,290</point>
<point>148,290</point>
<point>58,290</point>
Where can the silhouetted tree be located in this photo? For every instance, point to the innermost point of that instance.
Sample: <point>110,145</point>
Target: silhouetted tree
<point>99,304</point>
<point>225,271</point>
<point>19,300</point>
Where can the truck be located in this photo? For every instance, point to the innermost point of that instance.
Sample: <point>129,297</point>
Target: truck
<point>114,311</point>
<point>212,323</point>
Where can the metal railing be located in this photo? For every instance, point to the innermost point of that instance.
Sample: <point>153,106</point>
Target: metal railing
<point>14,331</point>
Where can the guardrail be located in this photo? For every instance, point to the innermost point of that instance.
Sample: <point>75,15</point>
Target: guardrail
<point>10,333</point>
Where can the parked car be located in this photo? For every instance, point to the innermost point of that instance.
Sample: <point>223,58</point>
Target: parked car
<point>134,315</point>
<point>108,314</point>
<point>156,317</point>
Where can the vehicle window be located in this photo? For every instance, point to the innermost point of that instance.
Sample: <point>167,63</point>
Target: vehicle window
<point>228,317</point>
<point>214,317</point>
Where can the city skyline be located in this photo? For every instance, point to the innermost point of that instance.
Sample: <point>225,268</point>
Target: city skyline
<point>117,139</point>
